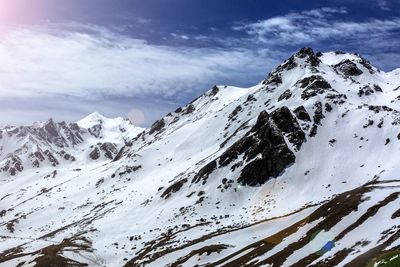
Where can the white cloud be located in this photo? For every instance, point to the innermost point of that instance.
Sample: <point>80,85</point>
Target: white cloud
<point>96,62</point>
<point>317,25</point>
<point>180,36</point>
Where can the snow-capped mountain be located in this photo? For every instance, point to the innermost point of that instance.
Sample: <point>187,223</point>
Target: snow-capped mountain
<point>50,144</point>
<point>299,170</point>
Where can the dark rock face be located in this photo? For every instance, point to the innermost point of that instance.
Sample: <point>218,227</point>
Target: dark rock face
<point>66,156</point>
<point>348,68</point>
<point>366,90</point>
<point>73,133</point>
<point>336,98</point>
<point>36,163</point>
<point>369,123</point>
<point>189,109</point>
<point>274,78</point>
<point>275,154</point>
<point>314,81</point>
<point>109,150</point>
<point>285,121</point>
<point>178,110</point>
<point>95,154</point>
<point>54,133</point>
<point>307,52</point>
<point>377,88</point>
<point>328,107</point>
<point>366,64</point>
<point>246,144</point>
<point>289,64</point>
<point>13,165</point>
<point>301,114</point>
<point>157,126</point>
<point>304,52</point>
<point>126,170</point>
<point>263,149</point>
<point>205,172</point>
<point>313,131</point>
<point>51,129</point>
<point>318,116</point>
<point>39,155</point>
<point>95,130</point>
<point>234,113</point>
<point>173,188</point>
<point>250,98</point>
<point>285,95</point>
<point>214,91</point>
<point>54,162</point>
<point>50,132</point>
<point>313,85</point>
<point>378,109</point>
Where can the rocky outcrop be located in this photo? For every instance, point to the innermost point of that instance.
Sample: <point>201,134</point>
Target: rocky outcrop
<point>274,78</point>
<point>204,172</point>
<point>318,116</point>
<point>269,154</point>
<point>108,150</point>
<point>189,109</point>
<point>302,114</point>
<point>52,159</point>
<point>311,58</point>
<point>285,95</point>
<point>175,187</point>
<point>95,130</point>
<point>263,149</point>
<point>234,113</point>
<point>214,91</point>
<point>366,64</point>
<point>288,124</point>
<point>95,154</point>
<point>348,68</point>
<point>13,165</point>
<point>313,85</point>
<point>157,126</point>
<point>60,134</point>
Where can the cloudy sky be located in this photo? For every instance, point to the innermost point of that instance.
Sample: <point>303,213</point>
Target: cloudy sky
<point>67,58</point>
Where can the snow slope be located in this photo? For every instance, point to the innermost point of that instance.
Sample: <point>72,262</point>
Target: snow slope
<point>299,170</point>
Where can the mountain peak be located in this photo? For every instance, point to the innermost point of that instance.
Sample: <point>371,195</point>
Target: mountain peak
<point>100,126</point>
<point>305,51</point>
<point>92,119</point>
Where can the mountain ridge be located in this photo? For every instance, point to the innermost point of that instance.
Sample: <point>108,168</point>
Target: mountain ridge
<point>52,143</point>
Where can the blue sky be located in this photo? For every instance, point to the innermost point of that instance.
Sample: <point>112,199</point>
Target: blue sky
<point>67,58</point>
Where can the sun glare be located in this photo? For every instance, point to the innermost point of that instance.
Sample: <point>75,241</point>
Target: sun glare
<point>16,11</point>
